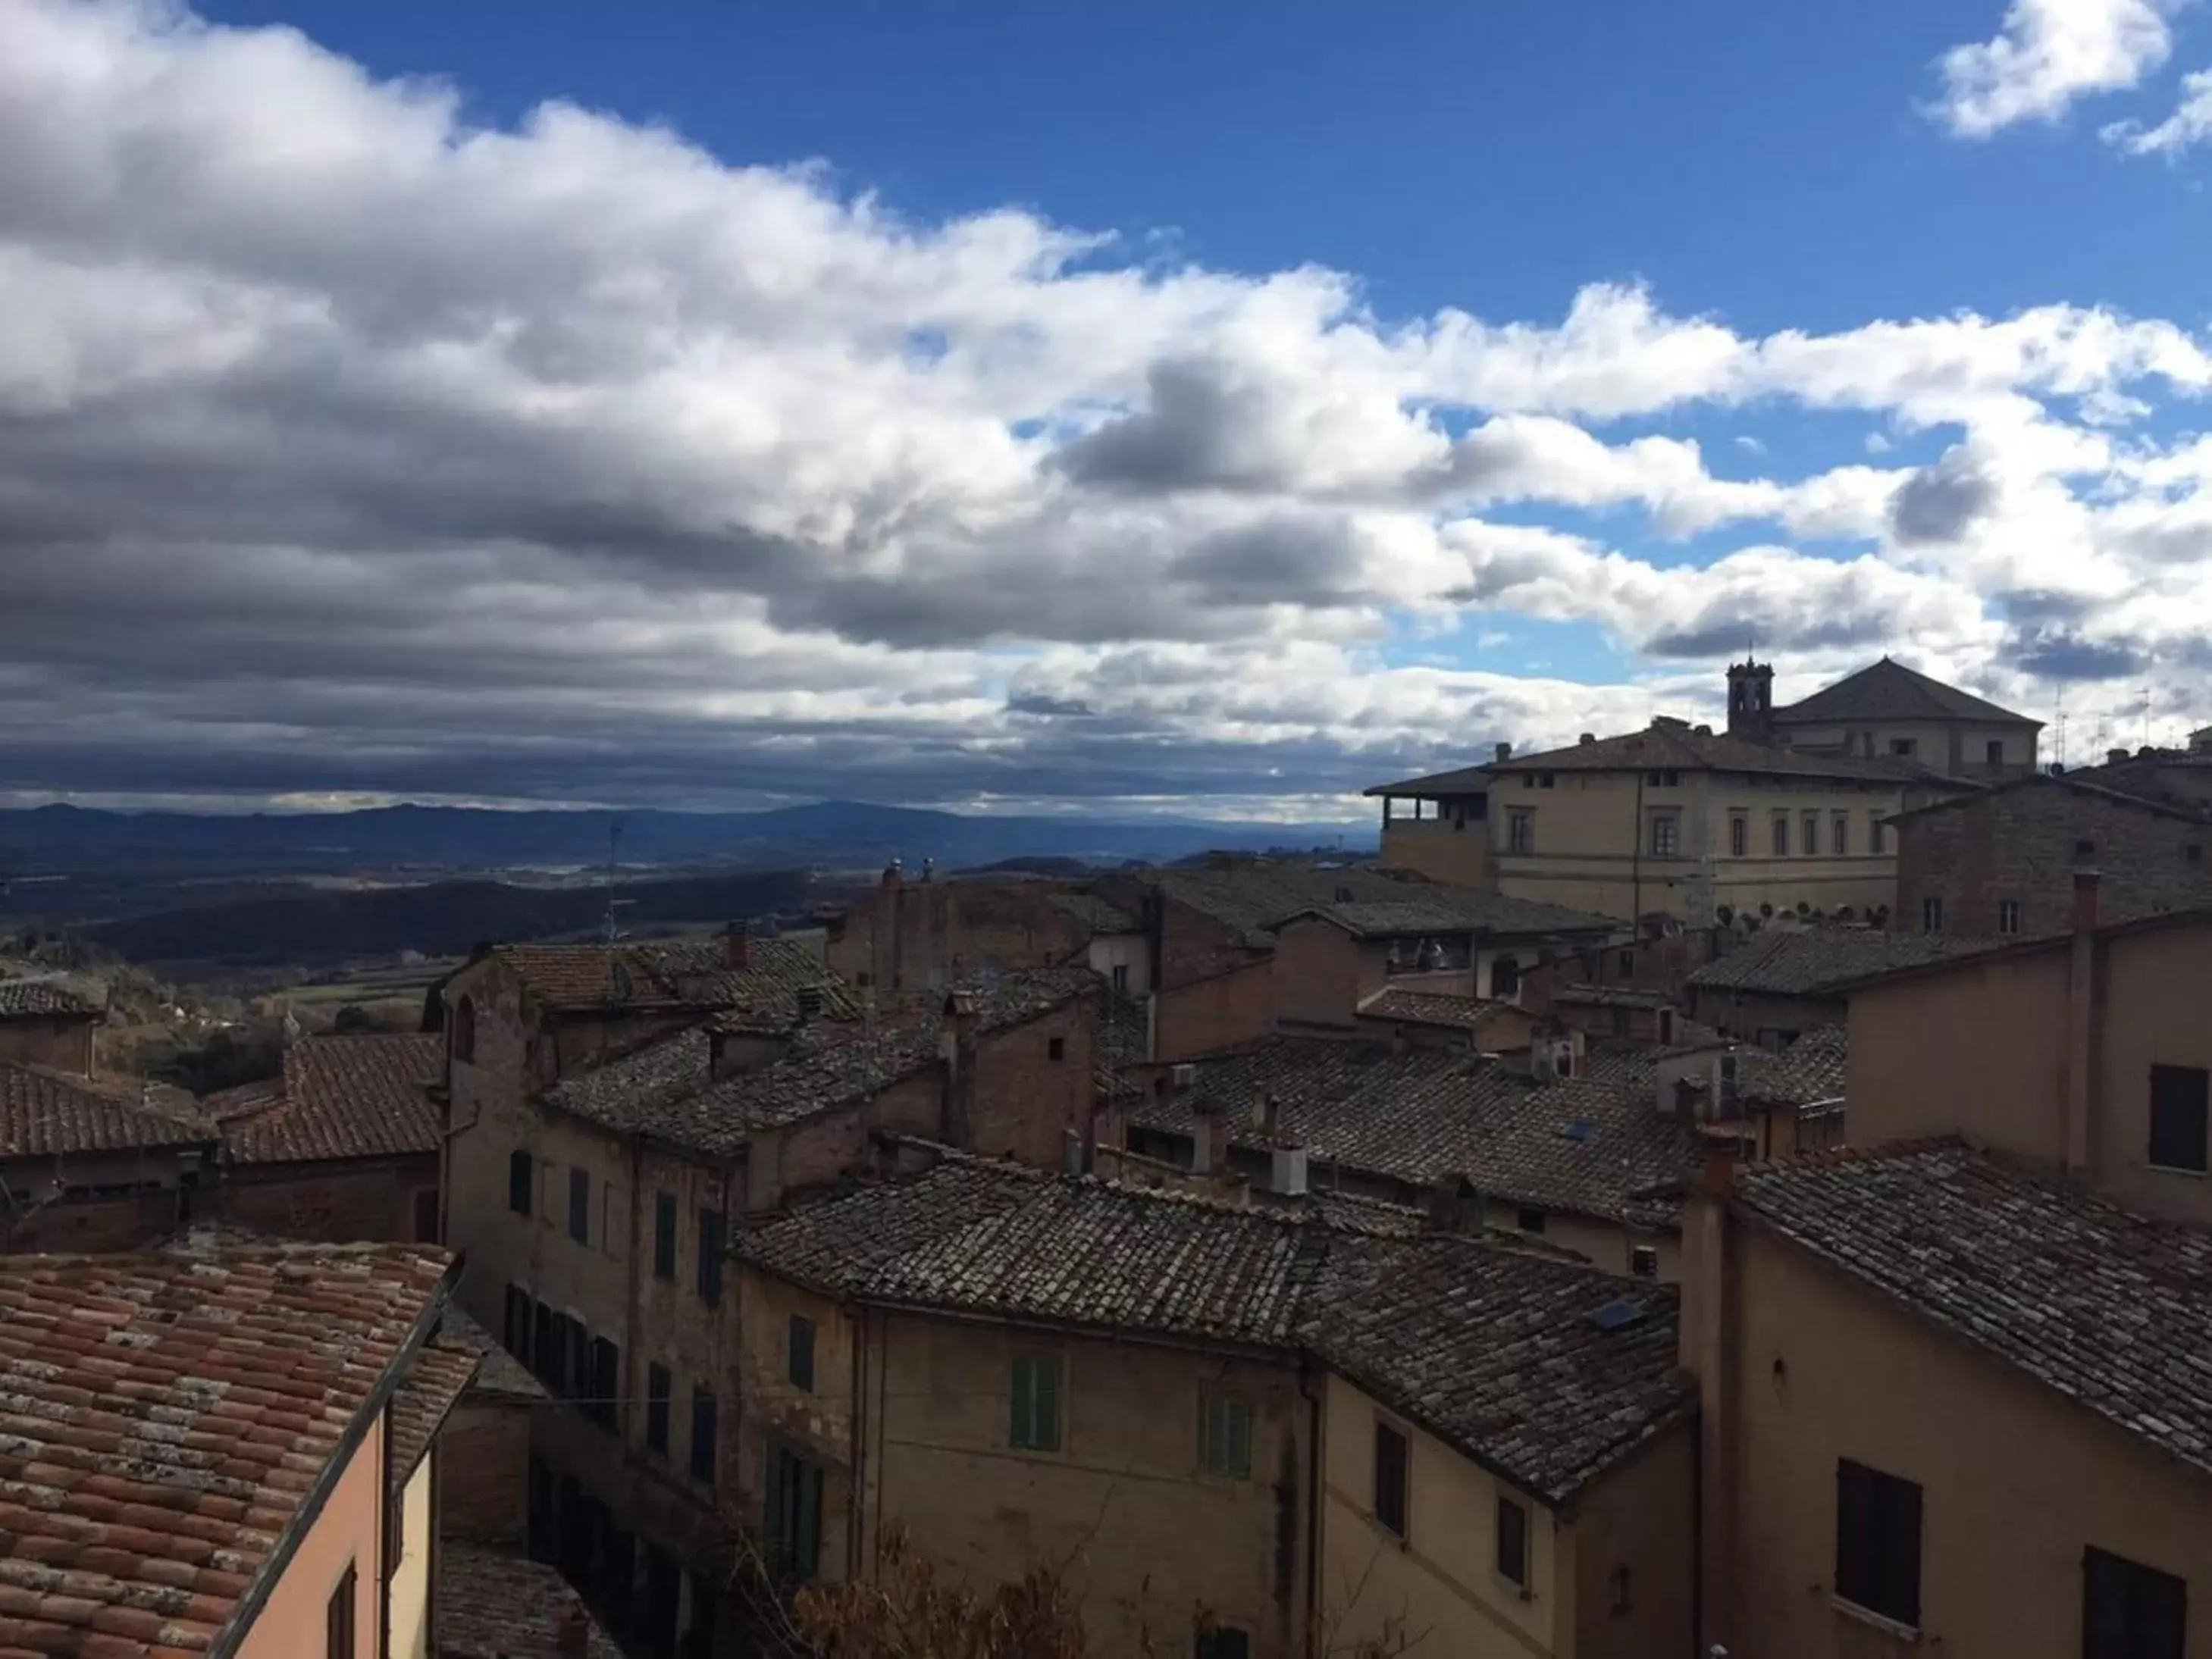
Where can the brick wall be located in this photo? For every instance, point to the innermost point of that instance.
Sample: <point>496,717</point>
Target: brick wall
<point>335,1203</point>
<point>94,1224</point>
<point>62,1043</point>
<point>2020,845</point>
<point>484,1471</point>
<point>906,936</point>
<point>1026,1101</point>
<point>1199,1017</point>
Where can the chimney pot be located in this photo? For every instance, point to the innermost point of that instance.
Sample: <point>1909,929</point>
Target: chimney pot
<point>892,876</point>
<point>737,942</point>
<point>1723,1145</point>
<point>1505,751</point>
<point>1589,738</point>
<point>809,998</point>
<point>2085,901</point>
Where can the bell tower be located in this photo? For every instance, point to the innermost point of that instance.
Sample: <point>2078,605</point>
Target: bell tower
<point>1750,701</point>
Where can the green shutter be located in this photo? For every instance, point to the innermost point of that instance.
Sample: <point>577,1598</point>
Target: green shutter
<point>1047,1412</point>
<point>1035,1404</point>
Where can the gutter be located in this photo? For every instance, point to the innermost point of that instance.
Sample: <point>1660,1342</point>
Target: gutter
<point>231,1639</point>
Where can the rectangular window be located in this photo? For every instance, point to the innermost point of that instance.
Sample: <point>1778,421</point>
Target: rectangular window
<point>1390,1456</point>
<point>1812,834</point>
<point>711,1241</point>
<point>1644,1261</point>
<point>518,1182</point>
<point>606,1383</point>
<point>2178,1114</point>
<point>1521,830</point>
<point>579,1205</point>
<point>1222,1642</point>
<point>1225,1436</point>
<point>516,1336</point>
<point>703,1423</point>
<point>1120,977</point>
<point>1739,835</point>
<point>1782,835</point>
<point>426,1216</point>
<point>801,1356</point>
<point>1628,965</point>
<point>1993,751</point>
<point>549,1344</point>
<point>1931,914</point>
<point>2193,854</point>
<point>1839,834</point>
<point>1529,1220</point>
<point>339,1619</point>
<point>657,1392</point>
<point>1903,746</point>
<point>664,1236</point>
<point>1035,1425</point>
<point>1877,832</point>
<point>1513,1542</point>
<point>2007,915</point>
<point>1878,1542</point>
<point>1056,1048</point>
<point>2130,1611</point>
<point>794,1513</point>
<point>1666,834</point>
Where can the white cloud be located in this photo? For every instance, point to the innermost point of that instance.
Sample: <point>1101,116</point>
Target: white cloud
<point>2046,54</point>
<point>2190,123</point>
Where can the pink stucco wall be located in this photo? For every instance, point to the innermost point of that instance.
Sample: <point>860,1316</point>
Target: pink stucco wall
<point>349,1530</point>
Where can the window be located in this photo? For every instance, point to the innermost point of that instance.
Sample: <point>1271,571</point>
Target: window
<point>1390,1453</point>
<point>1521,830</point>
<point>657,1391</point>
<point>426,1216</point>
<point>1782,835</point>
<point>516,1336</point>
<point>1877,832</point>
<point>1666,834</point>
<point>606,1383</point>
<point>2085,849</point>
<point>1839,834</point>
<point>2177,1117</point>
<point>1529,1221</point>
<point>339,1619</point>
<point>579,1205</point>
<point>1739,835</point>
<point>1544,782</point>
<point>1931,914</point>
<point>1035,1425</point>
<point>794,1512</point>
<point>1812,846</point>
<point>711,1225</point>
<point>1056,1048</point>
<point>1878,1542</point>
<point>1225,1434</point>
<point>1222,1642</point>
<point>1120,977</point>
<point>1628,965</point>
<point>1617,1585</point>
<point>1505,976</point>
<point>664,1236</point>
<point>1993,751</point>
<point>1903,746</point>
<point>518,1182</point>
<point>464,1031</point>
<point>1513,1542</point>
<point>1644,1261</point>
<point>704,1419</point>
<point>2007,915</point>
<point>2130,1611</point>
<point>800,1359</point>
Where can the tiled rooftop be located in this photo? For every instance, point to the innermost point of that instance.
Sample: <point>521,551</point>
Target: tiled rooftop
<point>1492,1349</point>
<point>45,997</point>
<point>1250,899</point>
<point>1814,1069</point>
<point>2110,1308</point>
<point>499,1374</point>
<point>341,1096</point>
<point>1461,781</point>
<point>1425,911</point>
<point>665,1090</point>
<point>162,1418</point>
<point>47,1114</point>
<point>1887,690</point>
<point>677,974</point>
<point>441,1373</point>
<point>1470,1014</point>
<point>1784,962</point>
<point>495,1605</point>
<point>1100,915</point>
<point>1596,1146</point>
<point>1668,745</point>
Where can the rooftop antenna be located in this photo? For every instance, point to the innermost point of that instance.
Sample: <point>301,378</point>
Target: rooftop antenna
<point>614,845</point>
<point>2146,714</point>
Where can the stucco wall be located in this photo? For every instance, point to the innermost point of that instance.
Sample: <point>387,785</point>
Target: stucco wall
<point>2016,1480</point>
<point>1634,1545</point>
<point>1198,1018</point>
<point>2153,999</point>
<point>349,1531</point>
<point>1147,1535</point>
<point>1452,849</point>
<point>909,935</point>
<point>129,1222</point>
<point>410,1570</point>
<point>62,1043</point>
<point>1439,1581</point>
<point>1318,974</point>
<point>1959,747</point>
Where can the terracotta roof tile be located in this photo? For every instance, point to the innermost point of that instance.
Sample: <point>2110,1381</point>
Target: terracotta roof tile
<point>341,1097</point>
<point>1814,1069</point>
<point>675,974</point>
<point>162,1418</point>
<point>1250,899</point>
<point>44,1114</point>
<point>494,1605</point>
<point>2110,1308</point>
<point>1433,1008</point>
<point>1667,745</point>
<point>441,1373</point>
<point>1782,962</point>
<point>1887,690</point>
<point>1492,1349</point>
<point>1453,910</point>
<point>37,999</point>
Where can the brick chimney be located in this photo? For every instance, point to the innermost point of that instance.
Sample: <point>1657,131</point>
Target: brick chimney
<point>737,946</point>
<point>1505,751</point>
<point>2085,900</point>
<point>1706,1345</point>
<point>958,1050</point>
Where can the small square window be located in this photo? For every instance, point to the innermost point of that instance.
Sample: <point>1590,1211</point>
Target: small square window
<point>1035,1400</point>
<point>1222,1642</point>
<point>1391,1453</point>
<point>2085,849</point>
<point>1902,746</point>
<point>1056,1048</point>
<point>1993,751</point>
<point>1545,781</point>
<point>1513,1542</point>
<point>802,1353</point>
<point>2177,1117</point>
<point>2007,915</point>
<point>2193,854</point>
<point>1644,1261</point>
<point>1529,1220</point>
<point>1225,1436</point>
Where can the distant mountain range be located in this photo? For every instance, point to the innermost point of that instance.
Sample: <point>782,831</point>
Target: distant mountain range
<point>846,834</point>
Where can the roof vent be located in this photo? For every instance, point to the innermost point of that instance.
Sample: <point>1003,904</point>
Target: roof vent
<point>1616,1315</point>
<point>1182,1075</point>
<point>1589,738</point>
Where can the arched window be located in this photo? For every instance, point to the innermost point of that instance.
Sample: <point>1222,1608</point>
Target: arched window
<point>1505,977</point>
<point>464,1031</point>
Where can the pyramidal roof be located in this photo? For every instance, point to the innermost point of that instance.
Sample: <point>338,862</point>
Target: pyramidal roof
<point>1888,691</point>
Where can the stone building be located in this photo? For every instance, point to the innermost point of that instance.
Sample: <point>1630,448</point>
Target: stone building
<point>1997,862</point>
<point>49,1021</point>
<point>1439,826</point>
<point>1951,1401</point>
<point>1886,710</point>
<point>344,1145</point>
<point>922,934</point>
<point>98,1164</point>
<point>1237,1432</point>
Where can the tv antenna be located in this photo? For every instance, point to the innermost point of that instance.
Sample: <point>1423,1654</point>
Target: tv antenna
<point>614,845</point>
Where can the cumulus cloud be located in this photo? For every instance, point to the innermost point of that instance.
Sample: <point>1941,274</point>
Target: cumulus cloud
<point>2046,54</point>
<point>2190,124</point>
<point>353,447</point>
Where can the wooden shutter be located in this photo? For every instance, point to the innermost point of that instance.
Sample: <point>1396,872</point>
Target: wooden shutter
<point>2178,1117</point>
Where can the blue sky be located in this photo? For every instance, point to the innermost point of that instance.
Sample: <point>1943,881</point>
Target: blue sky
<point>1472,372</point>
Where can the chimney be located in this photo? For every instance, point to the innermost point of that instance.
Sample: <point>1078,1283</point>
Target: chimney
<point>717,1043</point>
<point>1205,1142</point>
<point>2114,756</point>
<point>809,998</point>
<point>737,943</point>
<point>893,879</point>
<point>1721,1145</point>
<point>574,1638</point>
<point>929,869</point>
<point>1449,1204</point>
<point>957,1050</point>
<point>1271,1118</point>
<point>1504,752</point>
<point>2085,900</point>
<point>1287,1171</point>
<point>1588,739</point>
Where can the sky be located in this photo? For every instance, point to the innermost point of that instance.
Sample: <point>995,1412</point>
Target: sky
<point>1129,410</point>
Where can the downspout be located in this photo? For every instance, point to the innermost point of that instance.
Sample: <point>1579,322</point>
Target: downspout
<point>1636,860</point>
<point>390,1517</point>
<point>856,1435</point>
<point>1314,1499</point>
